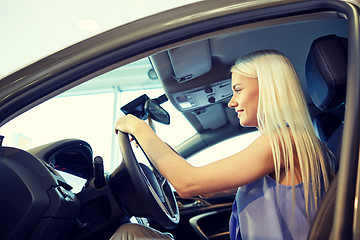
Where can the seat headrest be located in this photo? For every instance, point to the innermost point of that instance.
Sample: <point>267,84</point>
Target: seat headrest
<point>326,71</point>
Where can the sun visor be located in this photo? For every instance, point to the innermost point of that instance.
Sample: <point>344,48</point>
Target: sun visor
<point>190,61</point>
<point>208,119</point>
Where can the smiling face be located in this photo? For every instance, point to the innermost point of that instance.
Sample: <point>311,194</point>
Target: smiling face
<point>245,99</point>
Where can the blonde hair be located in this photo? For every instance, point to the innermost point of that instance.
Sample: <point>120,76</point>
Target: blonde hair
<point>284,117</point>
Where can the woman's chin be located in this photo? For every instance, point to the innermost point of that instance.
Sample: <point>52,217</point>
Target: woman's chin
<point>246,124</point>
<point>243,124</point>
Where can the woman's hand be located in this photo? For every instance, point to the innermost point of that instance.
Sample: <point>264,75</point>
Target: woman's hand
<point>129,124</point>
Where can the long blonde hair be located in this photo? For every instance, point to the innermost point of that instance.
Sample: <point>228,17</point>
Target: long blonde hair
<point>284,117</point>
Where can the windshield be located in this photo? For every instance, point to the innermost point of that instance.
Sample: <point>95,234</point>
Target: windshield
<point>89,111</point>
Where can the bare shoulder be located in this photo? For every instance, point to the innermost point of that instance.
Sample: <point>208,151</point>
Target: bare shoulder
<point>262,143</point>
<point>258,155</point>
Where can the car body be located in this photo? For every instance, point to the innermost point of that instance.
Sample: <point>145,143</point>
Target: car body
<point>191,49</point>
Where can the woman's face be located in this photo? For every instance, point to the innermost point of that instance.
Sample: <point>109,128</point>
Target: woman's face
<point>245,99</point>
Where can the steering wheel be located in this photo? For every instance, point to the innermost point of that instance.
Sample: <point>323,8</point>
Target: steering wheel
<point>151,186</point>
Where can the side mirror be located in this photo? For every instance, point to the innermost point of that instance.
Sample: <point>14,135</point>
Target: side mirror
<point>157,113</point>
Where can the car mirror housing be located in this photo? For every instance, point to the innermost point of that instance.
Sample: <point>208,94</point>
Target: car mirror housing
<point>156,112</point>
<point>144,107</point>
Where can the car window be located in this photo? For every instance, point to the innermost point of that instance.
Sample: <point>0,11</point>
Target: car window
<point>223,149</point>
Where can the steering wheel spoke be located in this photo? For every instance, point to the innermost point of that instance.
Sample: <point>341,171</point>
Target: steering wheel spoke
<point>166,189</point>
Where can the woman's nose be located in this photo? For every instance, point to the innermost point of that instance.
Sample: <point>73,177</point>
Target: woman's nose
<point>232,103</point>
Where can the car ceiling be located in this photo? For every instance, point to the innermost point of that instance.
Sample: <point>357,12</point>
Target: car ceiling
<point>291,38</point>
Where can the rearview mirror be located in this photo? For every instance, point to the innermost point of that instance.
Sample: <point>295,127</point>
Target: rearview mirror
<point>144,107</point>
<point>155,112</point>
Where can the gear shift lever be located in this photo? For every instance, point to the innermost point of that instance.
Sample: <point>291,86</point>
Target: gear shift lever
<point>99,181</point>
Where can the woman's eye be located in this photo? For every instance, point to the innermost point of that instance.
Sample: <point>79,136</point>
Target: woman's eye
<point>237,91</point>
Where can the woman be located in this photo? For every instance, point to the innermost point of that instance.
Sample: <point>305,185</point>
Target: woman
<point>281,176</point>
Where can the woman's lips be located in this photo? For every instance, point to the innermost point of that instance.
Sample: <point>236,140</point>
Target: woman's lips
<point>239,112</point>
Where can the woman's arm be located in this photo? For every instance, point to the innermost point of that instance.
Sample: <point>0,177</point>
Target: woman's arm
<point>239,169</point>
<point>220,194</point>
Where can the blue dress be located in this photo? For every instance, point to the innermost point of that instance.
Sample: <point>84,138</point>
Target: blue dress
<point>259,213</point>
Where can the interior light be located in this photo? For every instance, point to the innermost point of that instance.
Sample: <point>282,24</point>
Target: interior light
<point>152,74</point>
<point>88,24</point>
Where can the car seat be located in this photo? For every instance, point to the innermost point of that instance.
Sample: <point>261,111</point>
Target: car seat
<point>326,73</point>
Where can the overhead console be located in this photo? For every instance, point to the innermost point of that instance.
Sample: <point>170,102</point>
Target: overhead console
<point>203,102</point>
<point>202,96</point>
<point>196,83</point>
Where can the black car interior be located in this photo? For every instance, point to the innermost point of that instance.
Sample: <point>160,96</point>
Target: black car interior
<point>326,68</point>
<point>195,77</point>
<point>39,202</point>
